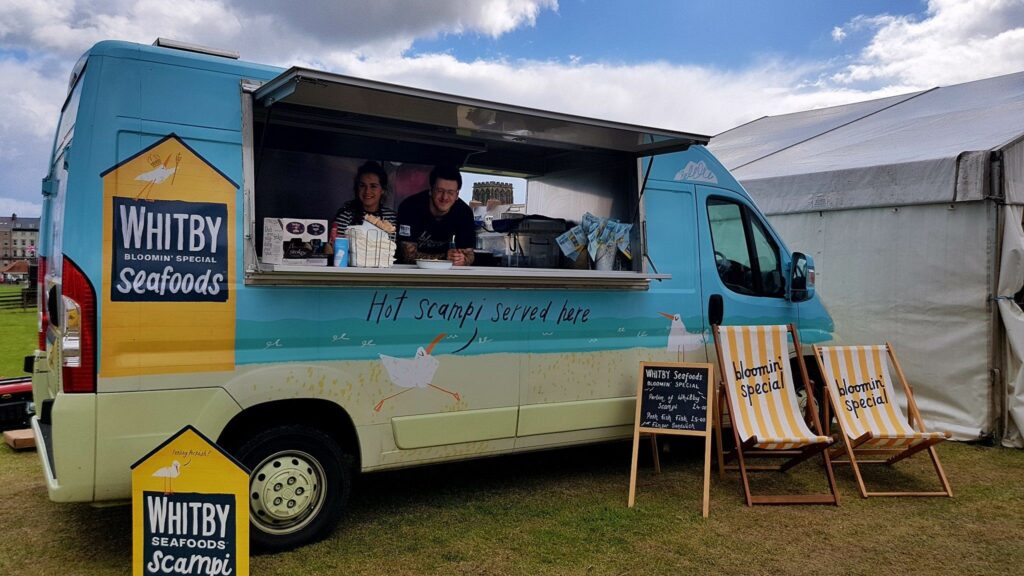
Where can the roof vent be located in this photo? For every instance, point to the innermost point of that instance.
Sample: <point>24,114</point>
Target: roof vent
<point>177,45</point>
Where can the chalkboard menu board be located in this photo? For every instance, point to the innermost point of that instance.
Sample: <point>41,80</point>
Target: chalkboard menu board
<point>674,396</point>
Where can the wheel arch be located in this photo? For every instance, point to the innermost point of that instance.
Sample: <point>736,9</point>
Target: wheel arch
<point>324,415</point>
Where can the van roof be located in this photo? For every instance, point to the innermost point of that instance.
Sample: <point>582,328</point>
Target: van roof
<point>466,116</point>
<point>121,49</point>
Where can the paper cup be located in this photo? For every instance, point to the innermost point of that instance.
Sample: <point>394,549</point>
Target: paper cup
<point>341,252</point>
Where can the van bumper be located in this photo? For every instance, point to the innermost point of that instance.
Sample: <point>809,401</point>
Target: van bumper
<point>66,445</point>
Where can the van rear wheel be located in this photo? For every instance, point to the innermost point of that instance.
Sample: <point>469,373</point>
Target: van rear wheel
<point>299,483</point>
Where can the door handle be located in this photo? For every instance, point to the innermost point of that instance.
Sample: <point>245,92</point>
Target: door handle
<point>716,310</point>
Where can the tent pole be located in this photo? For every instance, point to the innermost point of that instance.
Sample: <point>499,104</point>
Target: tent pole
<point>998,353</point>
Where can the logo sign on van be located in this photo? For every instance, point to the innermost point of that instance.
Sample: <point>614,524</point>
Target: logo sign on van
<point>696,172</point>
<point>169,251</point>
<point>169,258</point>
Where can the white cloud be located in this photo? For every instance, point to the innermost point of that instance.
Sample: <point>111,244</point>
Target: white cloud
<point>265,30</point>
<point>957,41</point>
<point>30,105</point>
<point>954,41</point>
<point>686,98</point>
<point>23,208</point>
<point>40,40</point>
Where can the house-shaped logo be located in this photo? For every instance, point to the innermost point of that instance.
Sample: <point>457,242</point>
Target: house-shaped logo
<point>169,264</point>
<point>190,509</point>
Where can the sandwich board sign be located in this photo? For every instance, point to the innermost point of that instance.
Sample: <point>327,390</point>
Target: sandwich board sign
<point>674,398</point>
<point>190,509</point>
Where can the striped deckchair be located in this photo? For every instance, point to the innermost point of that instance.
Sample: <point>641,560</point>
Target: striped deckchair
<point>763,408</point>
<point>860,391</point>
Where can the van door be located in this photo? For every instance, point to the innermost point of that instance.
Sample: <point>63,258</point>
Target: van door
<point>744,261</point>
<point>673,245</point>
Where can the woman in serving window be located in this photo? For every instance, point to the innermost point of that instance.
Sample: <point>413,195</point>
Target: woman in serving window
<point>370,186</point>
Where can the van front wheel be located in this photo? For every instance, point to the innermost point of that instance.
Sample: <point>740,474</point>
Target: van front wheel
<point>299,482</point>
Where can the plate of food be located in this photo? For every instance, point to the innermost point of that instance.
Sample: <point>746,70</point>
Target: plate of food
<point>434,264</point>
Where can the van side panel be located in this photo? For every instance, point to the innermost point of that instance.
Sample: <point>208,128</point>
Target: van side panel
<point>128,427</point>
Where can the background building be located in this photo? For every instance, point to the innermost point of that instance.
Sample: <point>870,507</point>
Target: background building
<point>500,191</point>
<point>18,238</point>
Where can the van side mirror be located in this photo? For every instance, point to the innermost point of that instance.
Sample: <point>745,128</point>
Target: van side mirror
<point>801,282</point>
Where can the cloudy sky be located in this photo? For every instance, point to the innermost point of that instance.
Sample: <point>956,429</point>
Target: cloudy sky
<point>691,65</point>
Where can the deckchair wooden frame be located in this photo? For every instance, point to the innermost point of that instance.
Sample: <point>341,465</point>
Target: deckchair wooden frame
<point>850,445</point>
<point>746,449</point>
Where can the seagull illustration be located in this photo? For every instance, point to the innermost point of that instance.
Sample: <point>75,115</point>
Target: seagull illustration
<point>415,372</point>
<point>679,339</point>
<point>169,473</point>
<point>157,176</point>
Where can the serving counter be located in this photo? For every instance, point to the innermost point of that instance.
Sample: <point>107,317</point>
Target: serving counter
<point>456,277</point>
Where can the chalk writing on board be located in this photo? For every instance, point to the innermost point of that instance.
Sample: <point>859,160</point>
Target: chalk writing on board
<point>674,398</point>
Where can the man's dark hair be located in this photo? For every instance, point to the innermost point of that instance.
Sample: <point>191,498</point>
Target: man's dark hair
<point>371,167</point>
<point>445,172</point>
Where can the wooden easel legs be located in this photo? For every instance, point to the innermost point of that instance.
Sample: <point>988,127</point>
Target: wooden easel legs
<point>654,454</point>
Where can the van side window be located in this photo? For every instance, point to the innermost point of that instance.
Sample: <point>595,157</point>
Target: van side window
<point>746,256</point>
<point>68,116</point>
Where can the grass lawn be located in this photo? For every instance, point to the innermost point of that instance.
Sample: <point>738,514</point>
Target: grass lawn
<point>564,512</point>
<point>17,336</point>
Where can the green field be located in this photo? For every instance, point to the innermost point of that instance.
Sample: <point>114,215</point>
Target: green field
<point>17,336</point>
<point>564,512</point>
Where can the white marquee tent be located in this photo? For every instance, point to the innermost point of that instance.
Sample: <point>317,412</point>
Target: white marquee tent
<point>912,207</point>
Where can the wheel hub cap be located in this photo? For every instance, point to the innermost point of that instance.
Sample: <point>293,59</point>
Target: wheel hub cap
<point>285,491</point>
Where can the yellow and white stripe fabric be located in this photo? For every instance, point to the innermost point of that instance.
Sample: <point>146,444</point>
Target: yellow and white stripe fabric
<point>761,393</point>
<point>864,398</point>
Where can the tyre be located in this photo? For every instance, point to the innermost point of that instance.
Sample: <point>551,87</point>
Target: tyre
<point>299,483</point>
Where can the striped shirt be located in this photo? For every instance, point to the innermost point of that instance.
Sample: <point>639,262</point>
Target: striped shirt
<point>351,214</point>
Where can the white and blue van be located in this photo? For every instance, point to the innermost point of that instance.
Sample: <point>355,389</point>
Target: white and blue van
<point>158,309</point>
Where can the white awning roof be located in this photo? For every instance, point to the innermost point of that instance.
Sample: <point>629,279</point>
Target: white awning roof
<point>919,148</point>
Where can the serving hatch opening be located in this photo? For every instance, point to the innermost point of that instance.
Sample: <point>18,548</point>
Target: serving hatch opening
<point>309,131</point>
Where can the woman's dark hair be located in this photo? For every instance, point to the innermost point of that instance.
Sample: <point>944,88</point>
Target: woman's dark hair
<point>371,167</point>
<point>445,172</point>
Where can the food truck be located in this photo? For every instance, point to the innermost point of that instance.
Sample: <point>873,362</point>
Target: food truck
<point>159,310</point>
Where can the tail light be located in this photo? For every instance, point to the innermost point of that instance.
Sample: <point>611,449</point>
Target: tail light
<point>44,321</point>
<point>78,343</point>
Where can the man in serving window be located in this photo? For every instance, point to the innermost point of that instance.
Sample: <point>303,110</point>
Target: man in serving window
<point>435,224</point>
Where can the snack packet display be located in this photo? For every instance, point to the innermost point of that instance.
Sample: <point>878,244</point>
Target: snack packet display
<point>621,235</point>
<point>573,242</point>
<point>600,237</point>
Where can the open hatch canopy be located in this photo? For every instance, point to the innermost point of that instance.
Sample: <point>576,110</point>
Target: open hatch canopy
<point>460,118</point>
